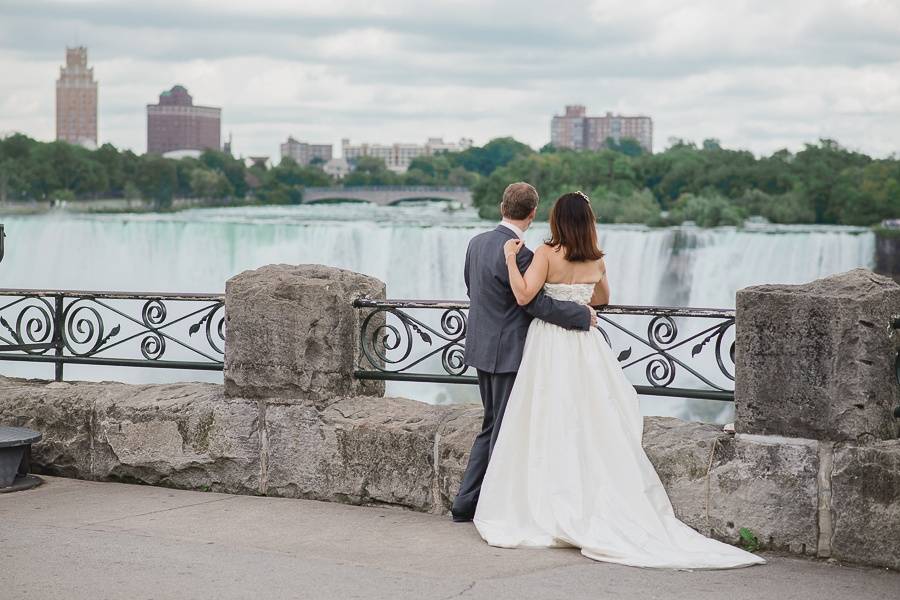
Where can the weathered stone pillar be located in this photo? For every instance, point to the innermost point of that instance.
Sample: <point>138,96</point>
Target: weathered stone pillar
<point>817,360</point>
<point>292,333</point>
<point>815,363</point>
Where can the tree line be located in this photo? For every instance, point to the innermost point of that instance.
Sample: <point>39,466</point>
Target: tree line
<point>710,185</point>
<point>824,183</point>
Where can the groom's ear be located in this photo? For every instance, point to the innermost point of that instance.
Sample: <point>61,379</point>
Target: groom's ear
<point>533,214</point>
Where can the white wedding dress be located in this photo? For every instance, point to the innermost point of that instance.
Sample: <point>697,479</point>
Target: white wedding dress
<point>568,468</point>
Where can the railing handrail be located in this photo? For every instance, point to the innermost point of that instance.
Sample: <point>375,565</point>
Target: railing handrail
<point>390,188</point>
<point>110,295</point>
<point>614,309</point>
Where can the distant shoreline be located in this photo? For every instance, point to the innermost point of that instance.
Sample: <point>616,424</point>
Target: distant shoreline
<point>117,206</point>
<point>113,205</point>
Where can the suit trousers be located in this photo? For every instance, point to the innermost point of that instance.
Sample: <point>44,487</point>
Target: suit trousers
<point>495,389</point>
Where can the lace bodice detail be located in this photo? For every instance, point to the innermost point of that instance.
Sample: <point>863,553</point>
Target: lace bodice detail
<point>574,292</point>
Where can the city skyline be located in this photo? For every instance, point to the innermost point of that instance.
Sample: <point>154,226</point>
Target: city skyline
<point>754,77</point>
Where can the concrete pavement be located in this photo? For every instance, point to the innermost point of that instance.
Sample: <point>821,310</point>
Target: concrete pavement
<point>75,539</point>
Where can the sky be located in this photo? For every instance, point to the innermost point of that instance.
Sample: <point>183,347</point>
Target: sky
<point>759,75</point>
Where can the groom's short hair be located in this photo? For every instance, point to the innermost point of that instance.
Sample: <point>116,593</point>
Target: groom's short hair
<point>519,199</point>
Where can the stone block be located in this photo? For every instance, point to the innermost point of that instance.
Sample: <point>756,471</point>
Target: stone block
<point>360,450</point>
<point>292,333</point>
<point>865,501</point>
<point>62,413</point>
<point>767,484</point>
<point>457,433</point>
<point>179,435</point>
<point>719,483</point>
<point>816,360</point>
<point>681,453</point>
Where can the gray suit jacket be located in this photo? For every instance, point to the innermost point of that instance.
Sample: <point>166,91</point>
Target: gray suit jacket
<point>497,325</point>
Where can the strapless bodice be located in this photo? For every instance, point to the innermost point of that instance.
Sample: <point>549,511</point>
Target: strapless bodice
<point>574,292</point>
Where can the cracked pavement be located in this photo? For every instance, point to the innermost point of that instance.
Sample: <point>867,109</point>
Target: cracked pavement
<point>76,539</point>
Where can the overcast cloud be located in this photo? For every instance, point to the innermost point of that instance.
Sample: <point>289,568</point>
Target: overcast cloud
<point>760,75</point>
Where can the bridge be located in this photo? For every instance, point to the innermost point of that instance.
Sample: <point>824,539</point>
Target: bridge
<point>387,195</point>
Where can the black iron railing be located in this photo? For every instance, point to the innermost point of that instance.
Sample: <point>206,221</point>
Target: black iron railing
<point>895,324</point>
<point>162,330</point>
<point>680,352</point>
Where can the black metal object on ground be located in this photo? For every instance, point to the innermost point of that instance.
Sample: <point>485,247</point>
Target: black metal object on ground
<point>15,453</point>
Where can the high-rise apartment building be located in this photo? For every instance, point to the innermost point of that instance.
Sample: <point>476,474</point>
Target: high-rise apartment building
<point>76,100</point>
<point>176,124</point>
<point>303,153</point>
<point>577,131</point>
<point>397,157</point>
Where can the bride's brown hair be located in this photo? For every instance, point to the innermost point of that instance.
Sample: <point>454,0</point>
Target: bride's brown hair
<point>573,228</point>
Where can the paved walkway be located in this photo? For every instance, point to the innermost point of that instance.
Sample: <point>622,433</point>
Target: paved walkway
<point>75,539</point>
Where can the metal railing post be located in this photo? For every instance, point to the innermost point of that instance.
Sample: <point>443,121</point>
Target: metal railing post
<point>895,324</point>
<point>58,336</point>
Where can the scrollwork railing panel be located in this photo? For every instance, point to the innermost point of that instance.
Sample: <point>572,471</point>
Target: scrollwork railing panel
<point>179,331</point>
<point>664,351</point>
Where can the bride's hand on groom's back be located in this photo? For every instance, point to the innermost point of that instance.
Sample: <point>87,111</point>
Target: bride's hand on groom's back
<point>512,247</point>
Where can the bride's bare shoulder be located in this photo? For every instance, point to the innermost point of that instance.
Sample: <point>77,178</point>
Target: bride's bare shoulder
<point>544,250</point>
<point>548,250</point>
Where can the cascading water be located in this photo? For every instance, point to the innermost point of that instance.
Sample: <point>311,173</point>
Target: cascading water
<point>418,250</point>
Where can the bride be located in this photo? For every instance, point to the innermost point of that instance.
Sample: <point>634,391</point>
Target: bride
<point>568,468</point>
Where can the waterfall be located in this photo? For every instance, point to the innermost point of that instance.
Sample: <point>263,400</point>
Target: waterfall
<point>418,250</point>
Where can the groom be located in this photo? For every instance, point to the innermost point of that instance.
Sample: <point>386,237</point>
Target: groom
<point>497,327</point>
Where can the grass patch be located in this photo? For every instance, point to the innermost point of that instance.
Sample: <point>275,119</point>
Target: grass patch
<point>749,541</point>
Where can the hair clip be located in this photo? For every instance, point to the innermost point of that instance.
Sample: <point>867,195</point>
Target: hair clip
<point>583,195</point>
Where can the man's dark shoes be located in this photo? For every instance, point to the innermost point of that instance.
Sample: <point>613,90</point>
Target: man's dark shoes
<point>462,518</point>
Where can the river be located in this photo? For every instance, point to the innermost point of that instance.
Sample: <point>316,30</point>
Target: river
<point>418,250</point>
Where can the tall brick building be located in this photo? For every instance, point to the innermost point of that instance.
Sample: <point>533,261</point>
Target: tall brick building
<point>577,131</point>
<point>76,100</point>
<point>176,124</point>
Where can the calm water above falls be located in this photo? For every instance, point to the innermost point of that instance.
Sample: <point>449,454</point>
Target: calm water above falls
<point>417,250</point>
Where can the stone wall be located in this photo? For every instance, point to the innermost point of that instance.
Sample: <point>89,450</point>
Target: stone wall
<point>307,429</point>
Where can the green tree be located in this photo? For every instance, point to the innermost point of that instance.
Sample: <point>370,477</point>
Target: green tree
<point>210,184</point>
<point>370,170</point>
<point>486,159</point>
<point>867,195</point>
<point>157,179</point>
<point>73,168</point>
<point>705,211</point>
<point>233,168</point>
<point>113,163</point>
<point>635,207</point>
<point>817,169</point>
<point>626,146</point>
<point>284,183</point>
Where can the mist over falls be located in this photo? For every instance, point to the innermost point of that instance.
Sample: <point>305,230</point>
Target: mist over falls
<point>418,250</point>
